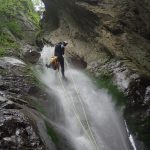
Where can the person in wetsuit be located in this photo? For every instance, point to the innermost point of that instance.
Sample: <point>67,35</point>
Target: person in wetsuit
<point>59,52</point>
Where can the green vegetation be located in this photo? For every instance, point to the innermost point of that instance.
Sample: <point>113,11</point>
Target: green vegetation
<point>11,27</point>
<point>38,106</point>
<point>2,51</point>
<point>35,18</point>
<point>9,10</point>
<point>105,81</point>
<point>33,75</point>
<point>52,134</point>
<point>6,41</point>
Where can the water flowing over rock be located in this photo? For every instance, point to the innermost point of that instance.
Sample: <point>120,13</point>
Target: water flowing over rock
<point>113,38</point>
<point>19,127</point>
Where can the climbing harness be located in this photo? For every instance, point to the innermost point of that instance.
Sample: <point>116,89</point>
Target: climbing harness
<point>90,136</point>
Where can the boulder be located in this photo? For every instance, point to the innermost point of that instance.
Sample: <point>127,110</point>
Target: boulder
<point>30,54</point>
<point>16,131</point>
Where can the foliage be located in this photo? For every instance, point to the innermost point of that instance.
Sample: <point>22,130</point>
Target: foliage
<point>35,17</point>
<point>52,134</point>
<point>14,27</point>
<point>2,51</point>
<point>105,81</point>
<point>10,24</point>
<point>117,95</point>
<point>12,7</point>
<point>6,42</point>
<point>38,106</point>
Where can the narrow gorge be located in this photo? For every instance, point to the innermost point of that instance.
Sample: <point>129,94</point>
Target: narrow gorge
<point>105,102</point>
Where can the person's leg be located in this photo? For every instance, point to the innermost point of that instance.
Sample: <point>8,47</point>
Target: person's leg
<point>48,65</point>
<point>62,65</point>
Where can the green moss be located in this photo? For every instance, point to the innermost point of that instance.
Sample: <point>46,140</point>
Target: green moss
<point>6,39</point>
<point>33,75</point>
<point>7,43</point>
<point>15,28</point>
<point>37,106</point>
<point>11,24</point>
<point>2,52</point>
<point>105,81</point>
<point>52,134</point>
<point>35,18</point>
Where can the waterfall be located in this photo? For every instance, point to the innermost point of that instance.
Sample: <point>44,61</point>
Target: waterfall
<point>85,113</point>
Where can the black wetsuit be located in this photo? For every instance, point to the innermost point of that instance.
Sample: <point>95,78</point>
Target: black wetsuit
<point>59,52</point>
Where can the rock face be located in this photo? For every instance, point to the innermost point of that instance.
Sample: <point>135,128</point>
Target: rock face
<point>16,131</point>
<point>30,54</point>
<point>17,128</point>
<point>113,38</point>
<point>22,125</point>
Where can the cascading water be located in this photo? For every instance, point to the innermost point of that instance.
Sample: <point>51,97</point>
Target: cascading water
<point>85,113</point>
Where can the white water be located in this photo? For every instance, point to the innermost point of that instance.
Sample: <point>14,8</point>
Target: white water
<point>91,122</point>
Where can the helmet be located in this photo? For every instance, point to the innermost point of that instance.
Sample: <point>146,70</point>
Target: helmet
<point>65,43</point>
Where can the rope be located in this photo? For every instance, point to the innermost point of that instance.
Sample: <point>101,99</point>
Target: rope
<point>80,100</point>
<point>75,112</point>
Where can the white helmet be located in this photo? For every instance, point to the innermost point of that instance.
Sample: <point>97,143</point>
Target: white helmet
<point>65,43</point>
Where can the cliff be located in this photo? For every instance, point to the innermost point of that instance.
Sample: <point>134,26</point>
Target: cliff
<point>113,38</point>
<point>21,123</point>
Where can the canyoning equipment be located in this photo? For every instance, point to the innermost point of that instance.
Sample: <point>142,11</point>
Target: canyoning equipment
<point>82,105</point>
<point>65,43</point>
<point>54,63</point>
<point>59,48</point>
<point>61,62</point>
<point>59,52</point>
<point>86,129</point>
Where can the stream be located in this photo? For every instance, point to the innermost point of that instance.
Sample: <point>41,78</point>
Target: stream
<point>85,114</point>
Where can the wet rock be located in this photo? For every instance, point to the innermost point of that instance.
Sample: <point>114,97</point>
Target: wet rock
<point>16,131</point>
<point>92,2</point>
<point>77,61</point>
<point>2,99</point>
<point>10,105</point>
<point>3,87</point>
<point>30,54</point>
<point>147,96</point>
<point>114,27</point>
<point>17,100</point>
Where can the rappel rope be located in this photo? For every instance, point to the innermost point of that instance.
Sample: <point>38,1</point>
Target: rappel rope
<point>87,131</point>
<point>80,100</point>
<point>75,112</point>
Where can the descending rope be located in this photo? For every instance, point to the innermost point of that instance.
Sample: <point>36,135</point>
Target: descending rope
<point>80,100</point>
<point>75,112</point>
